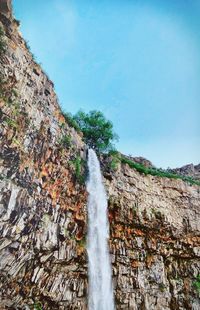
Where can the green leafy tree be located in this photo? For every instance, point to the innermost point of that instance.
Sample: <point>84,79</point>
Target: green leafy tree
<point>97,130</point>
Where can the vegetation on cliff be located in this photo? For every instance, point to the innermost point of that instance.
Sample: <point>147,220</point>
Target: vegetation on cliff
<point>97,130</point>
<point>79,166</point>
<point>117,158</point>
<point>98,134</point>
<point>196,283</point>
<point>2,41</point>
<point>71,121</point>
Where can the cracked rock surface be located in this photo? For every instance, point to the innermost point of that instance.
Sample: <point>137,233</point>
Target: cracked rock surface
<point>154,222</point>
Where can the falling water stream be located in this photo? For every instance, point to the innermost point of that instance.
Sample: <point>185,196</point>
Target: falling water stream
<point>100,273</point>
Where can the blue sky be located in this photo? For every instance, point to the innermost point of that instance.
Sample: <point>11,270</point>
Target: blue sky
<point>137,61</point>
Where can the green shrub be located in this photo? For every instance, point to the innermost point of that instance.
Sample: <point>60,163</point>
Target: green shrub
<point>66,141</point>
<point>14,92</point>
<point>114,163</point>
<point>11,123</point>
<point>157,172</point>
<point>71,121</point>
<point>7,94</point>
<point>79,165</point>
<point>3,82</point>
<point>139,167</point>
<point>82,243</point>
<point>114,152</point>
<point>115,160</point>
<point>38,306</point>
<point>2,41</point>
<point>162,287</point>
<point>196,283</point>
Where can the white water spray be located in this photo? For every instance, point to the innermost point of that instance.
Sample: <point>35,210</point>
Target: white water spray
<point>100,273</point>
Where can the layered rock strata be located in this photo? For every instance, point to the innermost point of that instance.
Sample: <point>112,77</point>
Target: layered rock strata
<point>42,201</point>
<point>154,222</point>
<point>155,241</point>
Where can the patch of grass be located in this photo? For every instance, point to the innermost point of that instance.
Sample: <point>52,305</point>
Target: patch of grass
<point>114,163</point>
<point>14,92</point>
<point>157,172</point>
<point>2,41</point>
<point>162,287</point>
<point>3,82</point>
<point>66,141</point>
<point>115,160</point>
<point>7,92</point>
<point>114,152</point>
<point>196,283</point>
<point>71,121</point>
<point>3,177</point>
<point>37,306</point>
<point>82,243</point>
<point>15,108</point>
<point>79,165</point>
<point>132,164</point>
<point>16,142</point>
<point>11,122</point>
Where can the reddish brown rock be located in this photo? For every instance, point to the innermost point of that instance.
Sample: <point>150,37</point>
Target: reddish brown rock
<point>154,222</point>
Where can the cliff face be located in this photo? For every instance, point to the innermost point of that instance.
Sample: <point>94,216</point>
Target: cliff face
<point>154,222</point>
<point>41,199</point>
<point>189,170</point>
<point>155,240</point>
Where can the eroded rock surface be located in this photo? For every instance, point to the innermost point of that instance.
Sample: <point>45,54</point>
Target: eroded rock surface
<point>189,170</point>
<point>155,241</point>
<point>154,222</point>
<point>42,202</point>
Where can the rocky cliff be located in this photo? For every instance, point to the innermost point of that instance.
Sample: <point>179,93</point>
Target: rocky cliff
<point>189,170</point>
<point>42,199</point>
<point>154,221</point>
<point>154,240</point>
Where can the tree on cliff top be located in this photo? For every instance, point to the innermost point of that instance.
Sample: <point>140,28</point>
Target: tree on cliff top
<point>97,130</point>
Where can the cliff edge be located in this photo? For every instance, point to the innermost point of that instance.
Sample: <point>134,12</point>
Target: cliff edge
<point>154,221</point>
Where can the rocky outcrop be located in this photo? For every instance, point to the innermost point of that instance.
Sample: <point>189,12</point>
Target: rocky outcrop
<point>5,8</point>
<point>154,222</point>
<point>155,241</point>
<point>42,202</point>
<point>140,160</point>
<point>189,170</point>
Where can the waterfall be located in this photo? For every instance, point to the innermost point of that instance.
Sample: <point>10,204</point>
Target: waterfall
<point>100,272</point>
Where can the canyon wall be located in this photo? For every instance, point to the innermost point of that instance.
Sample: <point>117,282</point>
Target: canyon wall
<point>155,238</point>
<point>154,222</point>
<point>42,202</point>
